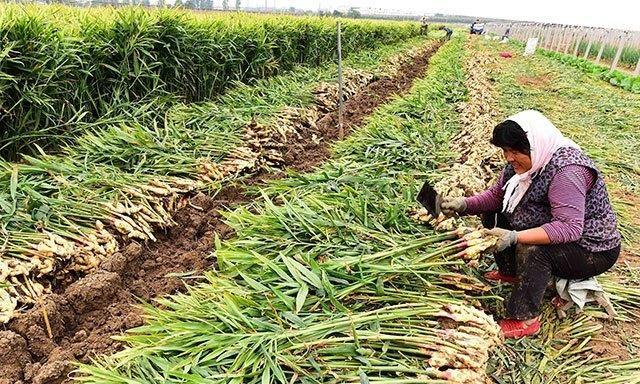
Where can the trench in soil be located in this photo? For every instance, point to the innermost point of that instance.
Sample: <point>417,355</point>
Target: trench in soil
<point>87,313</point>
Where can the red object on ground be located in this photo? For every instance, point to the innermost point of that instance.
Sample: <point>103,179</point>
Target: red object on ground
<point>515,329</point>
<point>506,54</point>
<point>495,275</point>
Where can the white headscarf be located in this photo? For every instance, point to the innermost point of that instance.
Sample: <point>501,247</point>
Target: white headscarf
<point>545,139</point>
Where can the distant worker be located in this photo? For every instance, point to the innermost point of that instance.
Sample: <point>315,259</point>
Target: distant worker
<point>449,31</point>
<point>505,36</point>
<point>424,25</point>
<point>477,28</point>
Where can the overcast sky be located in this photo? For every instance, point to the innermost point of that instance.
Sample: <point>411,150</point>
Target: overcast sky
<point>605,13</point>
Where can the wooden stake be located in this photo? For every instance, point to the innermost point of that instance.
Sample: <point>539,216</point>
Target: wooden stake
<point>46,320</point>
<point>562,32</point>
<point>40,303</point>
<point>603,43</point>
<point>571,34</point>
<point>578,41</point>
<point>621,42</point>
<point>589,44</point>
<point>557,39</point>
<point>340,85</point>
<point>546,39</point>
<point>566,35</point>
<point>554,37</point>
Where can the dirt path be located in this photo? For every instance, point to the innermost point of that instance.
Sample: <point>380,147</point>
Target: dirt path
<point>87,313</point>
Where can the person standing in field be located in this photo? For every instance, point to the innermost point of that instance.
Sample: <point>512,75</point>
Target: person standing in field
<point>505,36</point>
<point>424,25</point>
<point>550,211</point>
<point>477,28</point>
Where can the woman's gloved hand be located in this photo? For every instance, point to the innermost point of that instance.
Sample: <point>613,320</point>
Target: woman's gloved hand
<point>452,205</point>
<point>506,238</point>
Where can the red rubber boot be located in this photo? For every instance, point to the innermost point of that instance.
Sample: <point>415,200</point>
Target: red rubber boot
<point>515,329</point>
<point>495,275</point>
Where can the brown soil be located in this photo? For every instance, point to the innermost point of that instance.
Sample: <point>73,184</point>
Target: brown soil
<point>630,257</point>
<point>84,315</point>
<point>614,340</point>
<point>630,250</point>
<point>619,339</point>
<point>362,105</point>
<point>533,81</point>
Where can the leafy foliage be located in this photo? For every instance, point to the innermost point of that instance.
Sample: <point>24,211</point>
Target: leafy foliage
<point>616,78</point>
<point>60,65</point>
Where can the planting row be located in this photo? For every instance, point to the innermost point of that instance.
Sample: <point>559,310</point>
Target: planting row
<point>124,179</point>
<point>327,279</point>
<point>60,66</point>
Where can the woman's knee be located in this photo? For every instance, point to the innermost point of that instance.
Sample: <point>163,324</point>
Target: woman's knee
<point>527,250</point>
<point>528,255</point>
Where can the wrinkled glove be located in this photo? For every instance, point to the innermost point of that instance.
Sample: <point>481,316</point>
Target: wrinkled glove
<point>452,205</point>
<point>506,238</point>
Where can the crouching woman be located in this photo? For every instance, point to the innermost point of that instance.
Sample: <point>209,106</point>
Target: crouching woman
<point>551,212</point>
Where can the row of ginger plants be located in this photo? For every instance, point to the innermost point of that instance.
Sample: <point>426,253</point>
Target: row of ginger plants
<point>328,279</point>
<point>124,179</point>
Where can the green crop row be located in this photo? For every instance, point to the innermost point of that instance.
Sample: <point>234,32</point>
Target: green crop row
<point>331,284</point>
<point>123,161</point>
<point>61,65</point>
<point>328,281</point>
<point>616,78</point>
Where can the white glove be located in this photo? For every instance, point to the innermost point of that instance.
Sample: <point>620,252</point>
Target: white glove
<point>452,205</point>
<point>506,238</point>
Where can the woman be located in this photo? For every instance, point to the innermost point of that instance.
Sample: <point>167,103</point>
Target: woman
<point>552,202</point>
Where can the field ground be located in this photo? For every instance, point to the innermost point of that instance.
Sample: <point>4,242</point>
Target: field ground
<point>320,275</point>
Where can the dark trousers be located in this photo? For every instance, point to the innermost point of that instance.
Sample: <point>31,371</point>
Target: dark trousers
<point>536,264</point>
